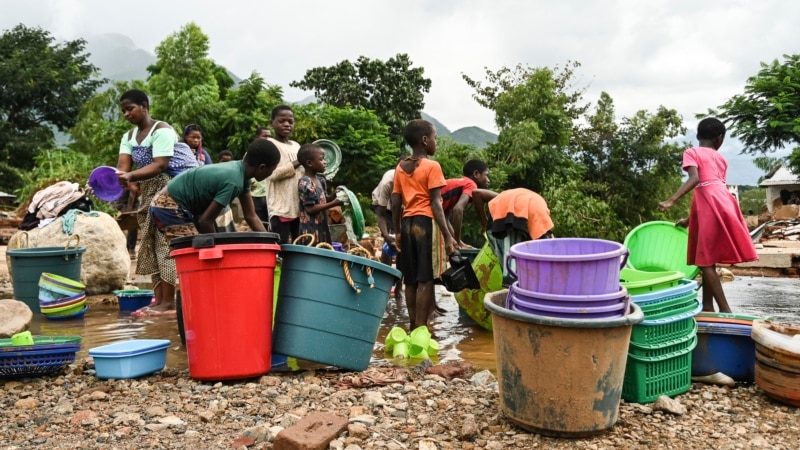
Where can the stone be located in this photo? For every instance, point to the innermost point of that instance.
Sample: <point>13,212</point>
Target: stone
<point>670,405</point>
<point>15,316</point>
<point>357,430</point>
<point>105,265</point>
<point>27,403</point>
<point>374,398</point>
<point>171,421</point>
<point>483,378</point>
<point>260,433</point>
<point>82,416</point>
<point>313,432</point>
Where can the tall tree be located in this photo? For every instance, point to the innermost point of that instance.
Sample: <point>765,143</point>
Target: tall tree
<point>534,110</point>
<point>247,108</point>
<point>42,85</point>
<point>183,85</point>
<point>766,117</point>
<point>367,149</point>
<point>101,125</point>
<point>392,88</point>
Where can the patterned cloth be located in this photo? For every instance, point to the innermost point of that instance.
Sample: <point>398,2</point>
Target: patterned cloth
<point>153,258</point>
<point>170,218</point>
<point>312,194</point>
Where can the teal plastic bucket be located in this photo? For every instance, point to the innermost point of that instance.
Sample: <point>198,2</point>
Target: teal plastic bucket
<point>320,316</point>
<point>28,264</point>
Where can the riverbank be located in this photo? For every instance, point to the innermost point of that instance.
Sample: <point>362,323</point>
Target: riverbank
<point>170,410</point>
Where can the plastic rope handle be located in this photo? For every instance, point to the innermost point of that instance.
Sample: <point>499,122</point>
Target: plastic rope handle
<point>625,259</point>
<point>346,269</point>
<point>306,235</point>
<point>27,239</point>
<point>78,243</point>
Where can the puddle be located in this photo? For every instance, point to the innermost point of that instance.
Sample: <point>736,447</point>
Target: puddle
<point>459,337</point>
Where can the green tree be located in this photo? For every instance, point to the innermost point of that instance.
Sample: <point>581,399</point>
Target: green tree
<point>392,88</point>
<point>534,110</point>
<point>42,85</point>
<point>367,148</point>
<point>183,86</point>
<point>631,160</point>
<point>752,201</point>
<point>766,117</point>
<point>100,124</point>
<point>245,109</point>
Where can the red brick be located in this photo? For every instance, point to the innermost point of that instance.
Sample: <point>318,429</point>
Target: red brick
<point>312,432</point>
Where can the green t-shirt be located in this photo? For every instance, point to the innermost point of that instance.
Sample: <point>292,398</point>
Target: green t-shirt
<point>196,188</point>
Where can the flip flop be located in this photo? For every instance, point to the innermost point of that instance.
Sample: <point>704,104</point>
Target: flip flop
<point>150,312</point>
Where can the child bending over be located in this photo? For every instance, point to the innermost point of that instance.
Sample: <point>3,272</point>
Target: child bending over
<point>469,189</point>
<point>190,202</point>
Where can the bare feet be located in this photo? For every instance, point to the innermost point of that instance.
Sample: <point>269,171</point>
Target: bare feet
<point>157,310</point>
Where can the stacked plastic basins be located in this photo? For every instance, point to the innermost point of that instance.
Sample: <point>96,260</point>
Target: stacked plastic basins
<point>661,283</point>
<point>568,279</point>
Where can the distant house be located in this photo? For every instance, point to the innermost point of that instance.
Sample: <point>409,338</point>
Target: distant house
<point>783,188</point>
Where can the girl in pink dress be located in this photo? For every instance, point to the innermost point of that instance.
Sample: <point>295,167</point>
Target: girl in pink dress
<point>717,231</point>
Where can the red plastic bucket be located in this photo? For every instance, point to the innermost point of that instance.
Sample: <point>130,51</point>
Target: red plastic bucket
<point>227,295</point>
<point>571,266</point>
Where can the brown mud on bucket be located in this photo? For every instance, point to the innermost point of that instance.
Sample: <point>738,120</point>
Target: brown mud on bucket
<point>560,377</point>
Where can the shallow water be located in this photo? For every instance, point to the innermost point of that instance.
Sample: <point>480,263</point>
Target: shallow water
<point>459,337</point>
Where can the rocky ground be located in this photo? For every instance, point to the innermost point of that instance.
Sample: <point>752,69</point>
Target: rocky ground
<point>387,408</point>
<point>423,411</point>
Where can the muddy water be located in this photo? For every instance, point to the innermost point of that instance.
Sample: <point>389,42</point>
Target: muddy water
<point>458,336</point>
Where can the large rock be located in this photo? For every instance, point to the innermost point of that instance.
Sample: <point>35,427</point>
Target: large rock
<point>15,316</point>
<point>104,266</point>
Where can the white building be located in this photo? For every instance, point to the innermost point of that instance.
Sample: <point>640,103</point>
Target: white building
<point>776,181</point>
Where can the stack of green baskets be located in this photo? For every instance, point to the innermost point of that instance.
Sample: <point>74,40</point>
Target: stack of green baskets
<point>660,352</point>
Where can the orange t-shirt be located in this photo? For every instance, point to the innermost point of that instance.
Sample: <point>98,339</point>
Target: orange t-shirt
<point>415,187</point>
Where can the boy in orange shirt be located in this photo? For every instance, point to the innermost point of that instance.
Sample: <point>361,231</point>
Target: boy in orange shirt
<point>423,237</point>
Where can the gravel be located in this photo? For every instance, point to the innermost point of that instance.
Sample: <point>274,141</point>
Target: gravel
<point>172,411</point>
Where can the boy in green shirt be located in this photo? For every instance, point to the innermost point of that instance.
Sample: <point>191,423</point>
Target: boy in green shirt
<point>192,200</point>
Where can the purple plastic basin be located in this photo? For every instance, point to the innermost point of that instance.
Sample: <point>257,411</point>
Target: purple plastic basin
<point>584,301</point>
<point>105,184</point>
<point>571,266</point>
<point>571,315</point>
<point>569,308</point>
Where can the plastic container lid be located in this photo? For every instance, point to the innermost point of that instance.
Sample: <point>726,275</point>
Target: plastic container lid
<point>639,281</point>
<point>358,216</point>
<point>129,348</point>
<point>721,317</point>
<point>212,239</point>
<point>333,156</point>
<point>105,184</point>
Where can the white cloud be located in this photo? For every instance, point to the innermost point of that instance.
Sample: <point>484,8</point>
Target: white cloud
<point>686,55</point>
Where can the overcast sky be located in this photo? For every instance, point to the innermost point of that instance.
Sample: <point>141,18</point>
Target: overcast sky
<point>686,55</point>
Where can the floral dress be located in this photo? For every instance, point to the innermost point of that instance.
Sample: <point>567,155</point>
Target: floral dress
<point>311,194</point>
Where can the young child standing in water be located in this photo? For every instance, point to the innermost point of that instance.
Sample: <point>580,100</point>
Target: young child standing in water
<point>423,237</point>
<point>717,230</point>
<point>312,190</point>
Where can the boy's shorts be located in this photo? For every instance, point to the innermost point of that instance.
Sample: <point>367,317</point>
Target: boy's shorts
<point>170,218</point>
<point>422,250</point>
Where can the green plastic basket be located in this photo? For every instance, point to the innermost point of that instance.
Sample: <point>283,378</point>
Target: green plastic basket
<point>640,282</point>
<point>664,348</point>
<point>658,309</point>
<point>44,340</point>
<point>659,246</point>
<point>648,378</point>
<point>661,331</point>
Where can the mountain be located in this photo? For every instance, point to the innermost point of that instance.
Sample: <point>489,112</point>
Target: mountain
<point>476,136</point>
<point>118,58</point>
<point>441,130</point>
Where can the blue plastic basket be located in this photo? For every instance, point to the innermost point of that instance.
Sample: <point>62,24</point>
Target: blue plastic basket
<point>33,363</point>
<point>684,287</point>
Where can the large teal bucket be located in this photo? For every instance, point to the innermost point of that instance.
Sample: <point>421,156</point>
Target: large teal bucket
<point>28,264</point>
<point>320,316</point>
